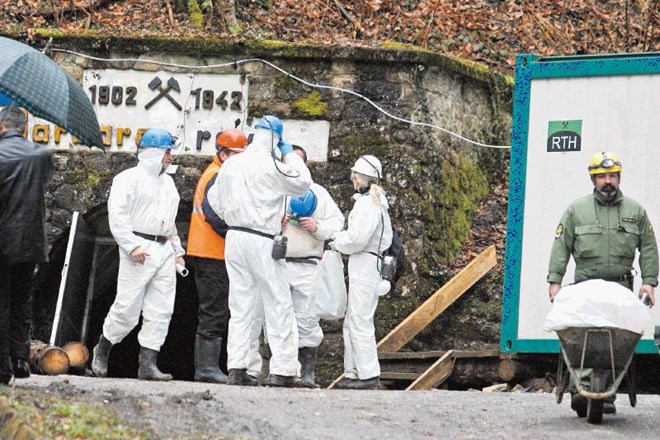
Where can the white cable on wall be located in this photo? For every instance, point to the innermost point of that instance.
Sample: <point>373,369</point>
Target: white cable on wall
<point>307,83</point>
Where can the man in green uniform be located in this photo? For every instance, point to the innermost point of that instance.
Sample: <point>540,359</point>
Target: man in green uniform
<point>602,232</point>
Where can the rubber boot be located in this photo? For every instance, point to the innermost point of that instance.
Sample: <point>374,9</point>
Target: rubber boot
<point>276,380</point>
<point>343,384</point>
<point>207,356</point>
<point>20,368</point>
<point>239,376</point>
<point>307,358</point>
<point>148,370</point>
<point>362,384</point>
<point>100,356</point>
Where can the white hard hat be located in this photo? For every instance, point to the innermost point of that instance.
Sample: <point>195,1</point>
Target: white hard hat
<point>369,166</point>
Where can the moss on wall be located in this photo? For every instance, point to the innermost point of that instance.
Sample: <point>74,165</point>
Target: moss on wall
<point>311,104</point>
<point>463,187</point>
<point>83,40</point>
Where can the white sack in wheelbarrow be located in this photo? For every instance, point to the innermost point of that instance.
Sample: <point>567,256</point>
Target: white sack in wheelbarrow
<point>597,303</point>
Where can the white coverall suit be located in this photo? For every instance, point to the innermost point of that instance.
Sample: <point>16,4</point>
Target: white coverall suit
<point>303,276</point>
<point>366,222</point>
<point>250,193</point>
<point>145,200</point>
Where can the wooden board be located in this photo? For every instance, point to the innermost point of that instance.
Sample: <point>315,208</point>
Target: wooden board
<point>438,354</point>
<point>438,302</point>
<point>392,375</point>
<point>435,375</point>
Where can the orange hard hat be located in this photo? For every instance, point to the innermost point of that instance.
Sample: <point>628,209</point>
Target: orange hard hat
<point>232,139</point>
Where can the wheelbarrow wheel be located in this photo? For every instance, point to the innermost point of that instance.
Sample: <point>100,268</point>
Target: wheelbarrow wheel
<point>595,411</point>
<point>595,406</point>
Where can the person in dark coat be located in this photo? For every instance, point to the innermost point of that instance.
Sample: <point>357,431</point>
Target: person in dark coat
<point>25,170</point>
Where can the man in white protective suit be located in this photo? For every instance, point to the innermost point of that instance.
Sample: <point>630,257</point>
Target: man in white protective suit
<point>142,208</point>
<point>311,219</point>
<point>250,195</point>
<point>368,235</point>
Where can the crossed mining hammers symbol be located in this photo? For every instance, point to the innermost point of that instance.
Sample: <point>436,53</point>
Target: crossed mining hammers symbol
<point>156,83</point>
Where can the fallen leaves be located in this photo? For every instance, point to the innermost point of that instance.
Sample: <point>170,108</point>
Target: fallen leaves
<point>489,31</point>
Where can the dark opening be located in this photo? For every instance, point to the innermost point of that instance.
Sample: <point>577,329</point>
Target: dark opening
<point>176,355</point>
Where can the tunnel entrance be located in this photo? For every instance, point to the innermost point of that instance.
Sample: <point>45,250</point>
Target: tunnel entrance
<point>99,288</point>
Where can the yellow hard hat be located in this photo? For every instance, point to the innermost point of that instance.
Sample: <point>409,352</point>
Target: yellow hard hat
<point>604,162</point>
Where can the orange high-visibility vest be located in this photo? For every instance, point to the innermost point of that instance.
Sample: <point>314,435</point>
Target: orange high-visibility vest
<point>203,241</point>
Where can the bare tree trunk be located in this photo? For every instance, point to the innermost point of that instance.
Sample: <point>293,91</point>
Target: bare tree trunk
<point>227,11</point>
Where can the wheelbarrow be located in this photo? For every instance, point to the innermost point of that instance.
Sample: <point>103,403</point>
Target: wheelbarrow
<point>609,353</point>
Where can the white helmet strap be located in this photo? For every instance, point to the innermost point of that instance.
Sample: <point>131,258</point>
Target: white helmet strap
<point>364,158</point>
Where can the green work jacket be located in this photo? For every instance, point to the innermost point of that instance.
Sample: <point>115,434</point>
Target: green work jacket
<point>602,238</point>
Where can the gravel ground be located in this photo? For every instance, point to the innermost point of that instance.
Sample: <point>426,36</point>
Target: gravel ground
<point>177,410</point>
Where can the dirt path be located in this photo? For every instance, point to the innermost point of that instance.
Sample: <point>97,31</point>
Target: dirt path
<point>179,410</point>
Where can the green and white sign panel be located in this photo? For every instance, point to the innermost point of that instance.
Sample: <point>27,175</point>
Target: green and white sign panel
<point>564,136</point>
<point>565,110</point>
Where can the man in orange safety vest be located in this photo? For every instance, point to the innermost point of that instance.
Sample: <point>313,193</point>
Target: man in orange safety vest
<point>207,244</point>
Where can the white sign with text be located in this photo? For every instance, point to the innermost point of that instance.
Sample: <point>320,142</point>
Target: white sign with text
<point>193,107</point>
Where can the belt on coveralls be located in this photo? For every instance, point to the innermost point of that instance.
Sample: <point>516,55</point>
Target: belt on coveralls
<point>251,231</point>
<point>161,239</point>
<point>375,254</point>
<point>303,260</point>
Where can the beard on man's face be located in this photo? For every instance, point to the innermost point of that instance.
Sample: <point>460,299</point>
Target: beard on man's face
<point>608,191</point>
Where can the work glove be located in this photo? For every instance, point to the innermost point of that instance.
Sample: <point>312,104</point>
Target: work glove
<point>285,147</point>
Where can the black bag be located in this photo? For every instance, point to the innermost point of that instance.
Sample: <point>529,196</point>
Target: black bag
<point>398,252</point>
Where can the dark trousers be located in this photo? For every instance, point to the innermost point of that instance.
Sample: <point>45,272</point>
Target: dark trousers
<point>212,284</point>
<point>213,292</point>
<point>15,314</point>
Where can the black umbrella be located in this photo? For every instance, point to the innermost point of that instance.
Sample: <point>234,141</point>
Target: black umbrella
<point>34,81</point>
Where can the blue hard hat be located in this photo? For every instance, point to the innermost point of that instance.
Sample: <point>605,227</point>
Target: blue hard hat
<point>157,138</point>
<point>270,122</point>
<point>303,205</point>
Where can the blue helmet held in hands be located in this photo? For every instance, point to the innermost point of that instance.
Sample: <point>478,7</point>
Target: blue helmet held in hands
<point>303,205</point>
<point>157,138</point>
<point>270,122</point>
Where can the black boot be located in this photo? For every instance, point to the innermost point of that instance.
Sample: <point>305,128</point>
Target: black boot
<point>20,368</point>
<point>307,358</point>
<point>148,369</point>
<point>207,355</point>
<point>276,380</point>
<point>372,383</point>
<point>100,357</point>
<point>239,376</point>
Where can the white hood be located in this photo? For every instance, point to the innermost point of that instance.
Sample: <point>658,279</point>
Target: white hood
<point>152,160</point>
<point>265,140</point>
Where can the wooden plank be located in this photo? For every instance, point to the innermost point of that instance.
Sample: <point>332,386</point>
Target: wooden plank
<point>438,302</point>
<point>436,373</point>
<point>336,381</point>
<point>412,355</point>
<point>393,375</point>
